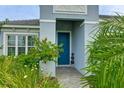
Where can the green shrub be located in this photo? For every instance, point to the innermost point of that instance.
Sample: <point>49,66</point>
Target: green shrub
<point>14,74</point>
<point>46,51</point>
<point>23,71</point>
<point>28,60</point>
<point>106,56</point>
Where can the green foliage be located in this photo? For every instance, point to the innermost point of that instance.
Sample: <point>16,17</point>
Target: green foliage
<point>28,60</point>
<point>46,51</point>
<point>49,82</point>
<point>106,56</point>
<point>14,74</point>
<point>23,71</point>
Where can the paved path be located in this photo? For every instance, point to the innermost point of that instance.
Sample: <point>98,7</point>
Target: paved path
<point>68,77</point>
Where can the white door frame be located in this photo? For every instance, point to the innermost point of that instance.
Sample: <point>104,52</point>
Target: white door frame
<point>70,37</point>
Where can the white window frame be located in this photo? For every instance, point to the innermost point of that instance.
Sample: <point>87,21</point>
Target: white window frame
<point>5,44</point>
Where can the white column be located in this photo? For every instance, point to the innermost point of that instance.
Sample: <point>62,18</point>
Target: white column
<point>16,45</point>
<point>26,44</point>
<point>4,44</point>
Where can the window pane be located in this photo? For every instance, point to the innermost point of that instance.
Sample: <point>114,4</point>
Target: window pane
<point>11,50</point>
<point>11,40</point>
<point>21,50</point>
<point>30,40</point>
<point>21,40</point>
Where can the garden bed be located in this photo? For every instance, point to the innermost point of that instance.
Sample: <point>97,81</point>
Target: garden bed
<point>14,73</point>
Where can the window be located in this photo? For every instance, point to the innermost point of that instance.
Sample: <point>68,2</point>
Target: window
<point>30,42</point>
<point>19,44</point>
<point>11,45</point>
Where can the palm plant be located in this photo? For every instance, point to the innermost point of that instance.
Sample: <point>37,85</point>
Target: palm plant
<point>106,55</point>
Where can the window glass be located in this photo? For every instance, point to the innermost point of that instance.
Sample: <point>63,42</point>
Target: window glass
<point>19,45</point>
<point>11,50</point>
<point>30,40</point>
<point>21,50</point>
<point>11,40</point>
<point>21,40</point>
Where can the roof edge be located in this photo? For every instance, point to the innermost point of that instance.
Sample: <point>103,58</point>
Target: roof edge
<point>20,26</point>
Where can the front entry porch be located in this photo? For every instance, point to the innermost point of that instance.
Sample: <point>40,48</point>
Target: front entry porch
<point>68,77</point>
<point>71,35</point>
<point>68,69</point>
<point>74,43</point>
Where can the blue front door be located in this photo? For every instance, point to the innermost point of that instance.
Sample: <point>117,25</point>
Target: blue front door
<point>64,38</point>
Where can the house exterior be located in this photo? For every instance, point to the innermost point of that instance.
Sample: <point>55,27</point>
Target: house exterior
<point>16,37</point>
<point>69,25</point>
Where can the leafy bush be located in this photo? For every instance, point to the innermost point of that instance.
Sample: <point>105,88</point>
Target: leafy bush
<point>28,60</point>
<point>45,50</point>
<point>106,56</point>
<point>14,74</point>
<point>23,71</point>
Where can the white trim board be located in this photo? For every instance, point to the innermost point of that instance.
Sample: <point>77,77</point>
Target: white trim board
<point>20,26</point>
<point>91,22</point>
<point>47,20</point>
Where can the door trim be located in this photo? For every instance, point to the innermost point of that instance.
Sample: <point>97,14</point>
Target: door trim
<point>70,37</point>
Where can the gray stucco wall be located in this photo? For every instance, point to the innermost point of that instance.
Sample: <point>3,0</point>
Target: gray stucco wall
<point>48,31</point>
<point>46,12</point>
<point>88,28</point>
<point>63,25</point>
<point>78,45</point>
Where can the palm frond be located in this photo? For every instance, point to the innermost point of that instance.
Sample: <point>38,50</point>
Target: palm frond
<point>106,55</point>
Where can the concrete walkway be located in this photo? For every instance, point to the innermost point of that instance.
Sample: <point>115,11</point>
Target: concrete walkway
<point>68,77</point>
